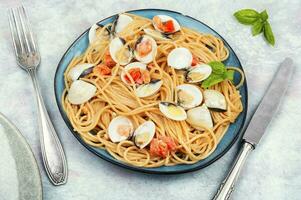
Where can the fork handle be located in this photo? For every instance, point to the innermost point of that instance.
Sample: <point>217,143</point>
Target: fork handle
<point>52,151</point>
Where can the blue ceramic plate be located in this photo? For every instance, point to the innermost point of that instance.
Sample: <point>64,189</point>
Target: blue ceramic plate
<point>228,140</point>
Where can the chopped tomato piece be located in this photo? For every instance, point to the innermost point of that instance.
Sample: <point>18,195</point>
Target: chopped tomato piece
<point>102,69</point>
<point>108,60</point>
<point>144,48</point>
<point>134,73</point>
<point>138,76</point>
<point>168,26</point>
<point>171,145</point>
<point>139,80</point>
<point>162,146</point>
<point>158,148</point>
<point>195,60</point>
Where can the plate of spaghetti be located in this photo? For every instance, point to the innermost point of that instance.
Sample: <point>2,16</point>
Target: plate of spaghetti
<point>152,90</point>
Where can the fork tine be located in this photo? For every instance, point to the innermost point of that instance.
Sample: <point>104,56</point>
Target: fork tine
<point>22,36</point>
<point>26,50</point>
<point>14,33</point>
<point>27,29</point>
<point>18,27</point>
<point>31,35</point>
<point>24,30</point>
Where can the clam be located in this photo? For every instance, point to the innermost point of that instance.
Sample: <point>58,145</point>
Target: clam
<point>166,24</point>
<point>145,49</point>
<point>115,47</point>
<point>146,90</point>
<point>199,117</point>
<point>93,33</point>
<point>80,92</point>
<point>120,129</point>
<point>215,100</point>
<point>179,58</point>
<point>189,96</point>
<point>80,70</point>
<point>120,23</point>
<point>198,73</point>
<point>156,34</point>
<point>172,111</point>
<point>127,68</point>
<point>144,134</point>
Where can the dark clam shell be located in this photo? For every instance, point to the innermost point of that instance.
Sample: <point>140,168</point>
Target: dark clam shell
<point>114,24</point>
<point>86,72</point>
<point>138,41</point>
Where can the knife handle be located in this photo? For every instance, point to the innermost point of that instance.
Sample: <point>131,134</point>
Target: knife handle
<point>227,186</point>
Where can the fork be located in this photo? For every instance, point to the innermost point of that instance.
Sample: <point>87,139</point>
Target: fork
<point>28,58</point>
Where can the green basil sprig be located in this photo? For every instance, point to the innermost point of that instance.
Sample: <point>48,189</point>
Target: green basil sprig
<point>264,15</point>
<point>219,74</point>
<point>247,16</point>
<point>268,33</point>
<point>257,27</point>
<point>258,21</point>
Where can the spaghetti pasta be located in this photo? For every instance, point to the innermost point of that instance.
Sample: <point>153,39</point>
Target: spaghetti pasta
<point>114,98</point>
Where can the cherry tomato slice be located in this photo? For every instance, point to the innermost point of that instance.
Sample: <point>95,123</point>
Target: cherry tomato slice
<point>102,69</point>
<point>169,26</point>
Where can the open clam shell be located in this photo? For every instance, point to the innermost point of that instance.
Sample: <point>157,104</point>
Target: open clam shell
<point>115,48</point>
<point>215,100</point>
<point>198,73</point>
<point>80,70</point>
<point>93,33</point>
<point>172,111</point>
<point>199,117</point>
<point>145,49</point>
<point>80,92</point>
<point>146,90</point>
<point>120,23</point>
<point>144,134</point>
<point>130,66</point>
<point>166,24</point>
<point>179,58</point>
<point>189,96</point>
<point>120,129</point>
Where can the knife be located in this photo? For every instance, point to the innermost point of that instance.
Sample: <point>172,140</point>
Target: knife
<point>257,126</point>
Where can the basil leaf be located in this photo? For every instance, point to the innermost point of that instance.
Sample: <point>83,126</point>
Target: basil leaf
<point>259,22</point>
<point>257,27</point>
<point>217,67</point>
<point>264,15</point>
<point>230,75</point>
<point>268,33</point>
<point>219,73</point>
<point>247,16</point>
<point>212,80</point>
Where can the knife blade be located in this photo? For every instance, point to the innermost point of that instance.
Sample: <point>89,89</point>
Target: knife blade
<point>270,103</point>
<point>258,124</point>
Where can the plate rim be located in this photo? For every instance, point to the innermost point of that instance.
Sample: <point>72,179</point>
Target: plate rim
<point>30,151</point>
<point>139,169</point>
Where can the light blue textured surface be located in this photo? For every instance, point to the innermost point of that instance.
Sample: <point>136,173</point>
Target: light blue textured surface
<point>273,169</point>
<point>233,132</point>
